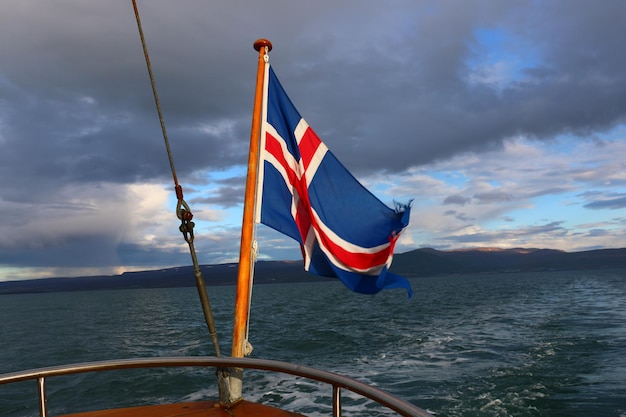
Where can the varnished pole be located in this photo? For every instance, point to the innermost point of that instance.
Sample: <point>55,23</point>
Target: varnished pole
<point>242,300</point>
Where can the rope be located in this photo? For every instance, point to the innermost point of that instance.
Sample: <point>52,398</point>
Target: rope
<point>247,348</point>
<point>156,95</point>
<point>183,212</point>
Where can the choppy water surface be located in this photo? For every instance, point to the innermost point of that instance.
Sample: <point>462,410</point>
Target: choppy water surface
<point>541,344</point>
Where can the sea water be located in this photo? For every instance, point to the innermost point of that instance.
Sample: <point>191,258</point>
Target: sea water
<point>525,344</point>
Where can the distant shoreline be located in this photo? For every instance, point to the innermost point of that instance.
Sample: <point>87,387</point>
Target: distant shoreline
<point>416,263</point>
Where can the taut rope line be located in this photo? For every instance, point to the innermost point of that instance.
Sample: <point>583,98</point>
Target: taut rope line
<point>182,209</point>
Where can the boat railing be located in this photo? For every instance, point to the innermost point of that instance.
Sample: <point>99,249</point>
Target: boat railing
<point>338,382</point>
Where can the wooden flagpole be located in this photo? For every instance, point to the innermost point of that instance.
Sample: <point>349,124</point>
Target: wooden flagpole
<point>246,267</point>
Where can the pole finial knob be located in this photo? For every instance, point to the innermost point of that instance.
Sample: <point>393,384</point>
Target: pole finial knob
<point>259,43</point>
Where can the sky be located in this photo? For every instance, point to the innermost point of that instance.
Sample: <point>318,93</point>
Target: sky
<point>504,122</point>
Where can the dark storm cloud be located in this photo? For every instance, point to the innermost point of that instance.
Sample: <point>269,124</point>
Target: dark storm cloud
<point>397,91</point>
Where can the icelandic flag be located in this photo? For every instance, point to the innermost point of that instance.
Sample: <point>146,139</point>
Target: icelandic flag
<point>306,193</point>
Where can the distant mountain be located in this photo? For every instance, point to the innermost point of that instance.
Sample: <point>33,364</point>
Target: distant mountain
<point>419,262</point>
<point>266,272</point>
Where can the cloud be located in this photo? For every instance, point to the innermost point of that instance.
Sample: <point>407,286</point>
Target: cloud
<point>229,194</point>
<point>613,203</point>
<point>493,197</point>
<point>456,199</point>
<point>512,111</point>
<point>84,226</point>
